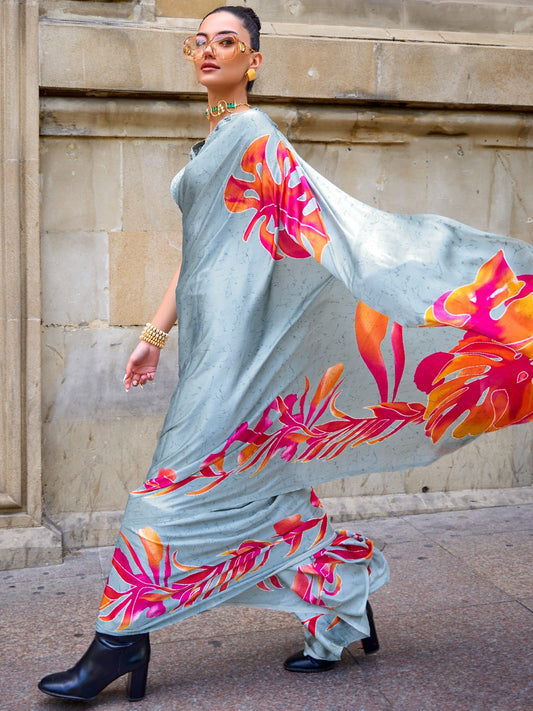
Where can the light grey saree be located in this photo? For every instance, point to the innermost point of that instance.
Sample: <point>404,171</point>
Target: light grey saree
<point>319,338</point>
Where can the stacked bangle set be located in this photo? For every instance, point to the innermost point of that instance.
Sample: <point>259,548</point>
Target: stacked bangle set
<point>154,336</point>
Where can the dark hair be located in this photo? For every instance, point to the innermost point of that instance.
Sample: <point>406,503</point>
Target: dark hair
<point>251,22</point>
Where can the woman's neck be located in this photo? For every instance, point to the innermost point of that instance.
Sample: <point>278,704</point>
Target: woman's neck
<point>230,102</point>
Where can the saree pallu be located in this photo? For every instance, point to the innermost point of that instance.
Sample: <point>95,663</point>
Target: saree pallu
<point>319,338</point>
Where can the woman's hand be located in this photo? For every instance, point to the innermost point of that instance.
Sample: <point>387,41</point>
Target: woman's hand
<point>142,365</point>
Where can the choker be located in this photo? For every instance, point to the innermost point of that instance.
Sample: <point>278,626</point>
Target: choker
<point>222,107</point>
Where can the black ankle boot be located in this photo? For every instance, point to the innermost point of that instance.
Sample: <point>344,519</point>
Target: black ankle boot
<point>370,643</point>
<point>300,662</point>
<point>108,658</point>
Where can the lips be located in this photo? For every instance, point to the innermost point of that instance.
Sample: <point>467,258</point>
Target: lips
<point>207,66</point>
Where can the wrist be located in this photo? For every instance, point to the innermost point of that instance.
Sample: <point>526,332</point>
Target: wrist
<point>154,336</point>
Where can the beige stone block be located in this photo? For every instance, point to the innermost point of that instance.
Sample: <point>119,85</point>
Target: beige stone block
<point>113,57</point>
<point>502,459</point>
<point>75,279</point>
<point>300,67</point>
<point>341,12</point>
<point>11,226</point>
<point>92,465</point>
<point>452,74</point>
<point>82,372</point>
<point>20,472</point>
<point>141,266</point>
<point>374,484</point>
<point>80,185</point>
<point>98,439</point>
<point>62,9</point>
<point>318,123</point>
<point>519,41</point>
<point>185,8</point>
<point>89,529</point>
<point>305,30</point>
<point>436,15</point>
<point>471,15</point>
<point>29,548</point>
<point>149,167</point>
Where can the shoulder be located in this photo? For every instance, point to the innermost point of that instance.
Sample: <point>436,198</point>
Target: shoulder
<point>249,125</point>
<point>258,118</point>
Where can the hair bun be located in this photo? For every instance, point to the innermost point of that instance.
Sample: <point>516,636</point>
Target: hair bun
<point>253,17</point>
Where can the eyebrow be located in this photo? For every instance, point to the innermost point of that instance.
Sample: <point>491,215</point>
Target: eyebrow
<point>222,32</point>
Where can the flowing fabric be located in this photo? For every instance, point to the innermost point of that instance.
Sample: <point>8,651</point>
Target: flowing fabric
<point>319,338</point>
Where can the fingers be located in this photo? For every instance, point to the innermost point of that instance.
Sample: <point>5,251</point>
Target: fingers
<point>137,379</point>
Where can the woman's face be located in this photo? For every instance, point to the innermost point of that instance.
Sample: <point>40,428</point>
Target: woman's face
<point>220,74</point>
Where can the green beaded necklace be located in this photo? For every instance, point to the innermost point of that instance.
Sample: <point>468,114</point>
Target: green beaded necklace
<point>222,107</point>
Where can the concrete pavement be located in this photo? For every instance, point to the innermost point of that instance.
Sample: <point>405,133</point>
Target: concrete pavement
<point>455,625</point>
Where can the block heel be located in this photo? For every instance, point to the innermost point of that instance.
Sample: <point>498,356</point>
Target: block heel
<point>137,683</point>
<point>370,643</point>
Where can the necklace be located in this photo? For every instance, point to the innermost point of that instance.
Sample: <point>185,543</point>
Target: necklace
<point>222,107</point>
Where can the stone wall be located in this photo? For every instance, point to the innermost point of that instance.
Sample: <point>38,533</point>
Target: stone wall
<point>413,120</point>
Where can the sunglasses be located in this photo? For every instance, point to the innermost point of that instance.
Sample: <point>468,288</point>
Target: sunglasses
<point>222,47</point>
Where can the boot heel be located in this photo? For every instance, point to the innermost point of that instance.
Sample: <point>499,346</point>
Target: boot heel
<point>370,643</point>
<point>137,683</point>
<point>108,658</point>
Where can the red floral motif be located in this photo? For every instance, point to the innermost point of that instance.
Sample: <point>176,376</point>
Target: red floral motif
<point>311,623</point>
<point>486,382</point>
<point>301,434</point>
<point>482,384</point>
<point>165,482</point>
<point>498,304</point>
<point>318,582</point>
<point>291,530</point>
<point>140,596</point>
<point>273,580</point>
<point>286,210</point>
<point>149,588</point>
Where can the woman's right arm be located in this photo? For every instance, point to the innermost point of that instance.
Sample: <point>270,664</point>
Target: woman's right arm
<point>143,361</point>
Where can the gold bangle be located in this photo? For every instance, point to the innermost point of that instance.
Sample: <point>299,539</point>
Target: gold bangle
<point>154,336</point>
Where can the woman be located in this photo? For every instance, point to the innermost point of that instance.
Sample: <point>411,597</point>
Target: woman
<point>274,259</point>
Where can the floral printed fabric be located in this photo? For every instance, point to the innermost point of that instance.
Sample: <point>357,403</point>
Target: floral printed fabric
<point>321,575</point>
<point>319,338</point>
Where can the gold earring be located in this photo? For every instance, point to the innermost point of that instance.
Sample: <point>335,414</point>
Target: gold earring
<point>250,74</point>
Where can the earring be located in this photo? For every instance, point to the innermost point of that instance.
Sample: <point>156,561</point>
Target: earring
<point>250,74</point>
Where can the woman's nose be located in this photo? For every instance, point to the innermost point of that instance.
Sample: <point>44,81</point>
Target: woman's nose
<point>208,50</point>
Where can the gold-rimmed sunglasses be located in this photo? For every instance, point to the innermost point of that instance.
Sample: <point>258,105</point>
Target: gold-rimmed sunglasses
<point>222,46</point>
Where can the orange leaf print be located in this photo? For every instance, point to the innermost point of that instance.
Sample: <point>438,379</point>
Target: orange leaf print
<point>498,304</point>
<point>486,381</point>
<point>286,211</point>
<point>153,547</point>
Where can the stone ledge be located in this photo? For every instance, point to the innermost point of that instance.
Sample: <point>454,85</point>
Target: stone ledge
<point>100,528</point>
<point>115,58</point>
<point>152,118</point>
<point>29,547</point>
<point>360,507</point>
<point>483,16</point>
<point>89,529</point>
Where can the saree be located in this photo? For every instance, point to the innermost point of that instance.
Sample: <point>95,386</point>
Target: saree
<point>319,338</point>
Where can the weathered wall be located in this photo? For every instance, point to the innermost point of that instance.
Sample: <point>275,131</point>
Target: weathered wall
<point>407,119</point>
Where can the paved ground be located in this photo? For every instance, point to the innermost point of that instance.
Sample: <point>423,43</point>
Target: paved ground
<point>455,625</point>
